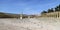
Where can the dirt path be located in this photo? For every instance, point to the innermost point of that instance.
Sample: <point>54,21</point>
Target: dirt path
<point>30,24</point>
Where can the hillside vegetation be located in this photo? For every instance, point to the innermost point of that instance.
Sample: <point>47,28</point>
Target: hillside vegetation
<point>8,15</point>
<point>53,12</point>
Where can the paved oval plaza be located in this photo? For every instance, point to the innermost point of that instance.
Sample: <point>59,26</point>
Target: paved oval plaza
<point>30,24</point>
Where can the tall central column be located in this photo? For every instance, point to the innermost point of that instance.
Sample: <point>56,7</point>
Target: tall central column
<point>21,16</point>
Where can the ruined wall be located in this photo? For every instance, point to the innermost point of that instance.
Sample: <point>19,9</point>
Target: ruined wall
<point>52,14</point>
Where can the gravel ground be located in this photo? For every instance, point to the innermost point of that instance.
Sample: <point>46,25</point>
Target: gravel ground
<point>30,24</point>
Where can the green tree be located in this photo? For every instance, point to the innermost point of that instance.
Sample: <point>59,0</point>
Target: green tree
<point>57,8</point>
<point>50,10</point>
<point>43,12</point>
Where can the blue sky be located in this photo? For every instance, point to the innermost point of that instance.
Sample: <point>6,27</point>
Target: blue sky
<point>27,6</point>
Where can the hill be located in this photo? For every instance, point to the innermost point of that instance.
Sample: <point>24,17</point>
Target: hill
<point>9,15</point>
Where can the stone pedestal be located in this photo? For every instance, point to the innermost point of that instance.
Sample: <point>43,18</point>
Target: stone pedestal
<point>20,17</point>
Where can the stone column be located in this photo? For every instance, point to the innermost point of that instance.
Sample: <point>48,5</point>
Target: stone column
<point>28,16</point>
<point>21,17</point>
<point>57,14</point>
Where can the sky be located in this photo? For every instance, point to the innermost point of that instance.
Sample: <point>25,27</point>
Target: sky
<point>27,6</point>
